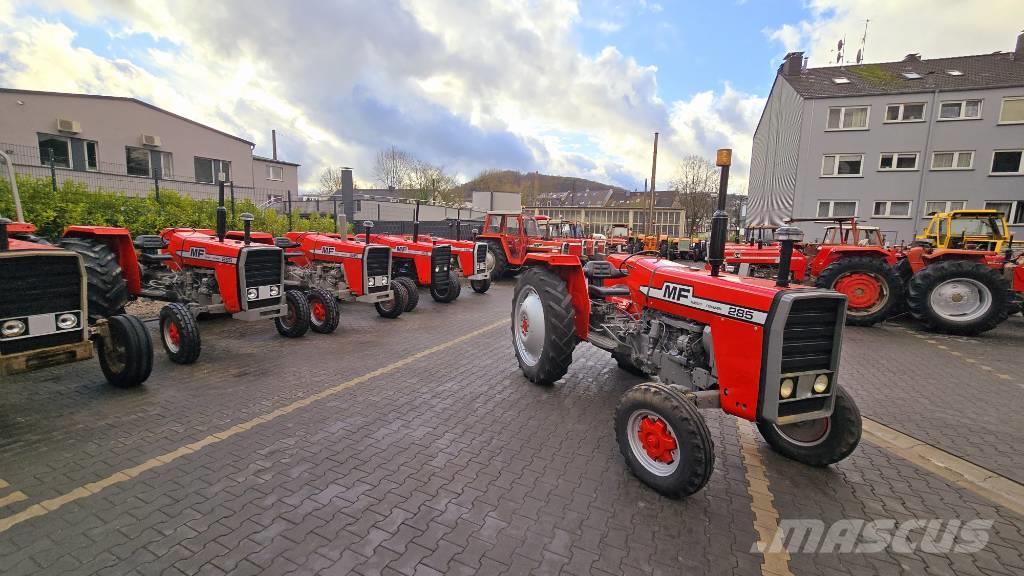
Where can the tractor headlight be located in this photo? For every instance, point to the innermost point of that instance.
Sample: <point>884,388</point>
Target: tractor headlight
<point>786,388</point>
<point>371,281</point>
<point>12,329</point>
<point>275,290</point>
<point>67,321</point>
<point>252,293</point>
<point>821,384</point>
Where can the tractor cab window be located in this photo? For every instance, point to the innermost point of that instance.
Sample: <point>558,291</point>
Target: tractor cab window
<point>512,225</point>
<point>942,234</point>
<point>976,226</point>
<point>530,226</point>
<point>493,224</point>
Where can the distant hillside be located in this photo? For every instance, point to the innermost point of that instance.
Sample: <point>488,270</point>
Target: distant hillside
<point>529,184</point>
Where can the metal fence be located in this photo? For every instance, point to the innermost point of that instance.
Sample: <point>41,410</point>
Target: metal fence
<point>442,229</point>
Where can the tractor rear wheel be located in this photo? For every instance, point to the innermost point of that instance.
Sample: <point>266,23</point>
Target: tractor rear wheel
<point>449,292</point>
<point>871,287</point>
<point>399,303</point>
<point>480,286</point>
<point>107,290</point>
<point>412,292</point>
<point>324,313</point>
<point>126,354</point>
<point>664,439</point>
<point>295,321</point>
<point>496,263</point>
<point>818,442</point>
<point>179,333</point>
<point>543,325</point>
<point>626,364</point>
<point>958,297</point>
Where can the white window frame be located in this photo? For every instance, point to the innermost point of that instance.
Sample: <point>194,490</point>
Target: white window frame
<point>1002,105</point>
<point>836,166</point>
<point>1020,166</point>
<point>270,172</point>
<point>166,165</point>
<point>946,206</point>
<point>895,159</point>
<point>1015,206</point>
<point>85,149</point>
<point>149,162</point>
<point>217,166</point>
<point>924,113</point>
<point>888,209</point>
<point>67,145</point>
<point>956,159</point>
<point>842,116</point>
<point>832,208</point>
<point>963,108</point>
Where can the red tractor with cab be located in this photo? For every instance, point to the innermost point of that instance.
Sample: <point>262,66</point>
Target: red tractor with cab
<point>510,236</point>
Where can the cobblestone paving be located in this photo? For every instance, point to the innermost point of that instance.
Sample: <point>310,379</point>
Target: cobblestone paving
<point>451,463</point>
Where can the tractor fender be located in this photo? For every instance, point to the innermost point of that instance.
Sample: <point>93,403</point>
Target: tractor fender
<point>120,241</point>
<point>569,269</point>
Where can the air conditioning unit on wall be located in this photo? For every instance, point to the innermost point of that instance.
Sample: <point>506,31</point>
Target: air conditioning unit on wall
<point>72,126</point>
<point>150,140</point>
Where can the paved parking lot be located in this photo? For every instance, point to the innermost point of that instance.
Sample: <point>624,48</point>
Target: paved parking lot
<point>414,446</point>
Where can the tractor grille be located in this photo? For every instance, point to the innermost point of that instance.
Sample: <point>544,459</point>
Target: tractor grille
<point>480,257</point>
<point>377,263</point>
<point>263,267</point>
<point>31,285</point>
<point>808,339</point>
<point>440,262</point>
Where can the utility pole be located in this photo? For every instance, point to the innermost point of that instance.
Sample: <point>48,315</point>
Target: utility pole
<point>654,171</point>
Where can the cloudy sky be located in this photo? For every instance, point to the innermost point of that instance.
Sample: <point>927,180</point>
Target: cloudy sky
<point>560,86</point>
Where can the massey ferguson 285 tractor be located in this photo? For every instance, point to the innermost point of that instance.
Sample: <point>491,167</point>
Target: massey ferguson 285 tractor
<point>418,262</point>
<point>761,350</point>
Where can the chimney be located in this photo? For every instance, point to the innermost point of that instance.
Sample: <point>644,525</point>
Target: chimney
<point>1018,51</point>
<point>348,194</point>
<point>273,138</point>
<point>793,64</point>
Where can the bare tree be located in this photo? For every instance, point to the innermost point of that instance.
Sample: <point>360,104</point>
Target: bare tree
<point>434,184</point>
<point>330,181</point>
<point>393,167</point>
<point>695,183</point>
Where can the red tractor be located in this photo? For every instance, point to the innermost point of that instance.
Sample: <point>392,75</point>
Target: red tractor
<point>510,236</point>
<point>851,259</point>
<point>764,351</point>
<point>419,262</point>
<point>580,243</point>
<point>46,316</point>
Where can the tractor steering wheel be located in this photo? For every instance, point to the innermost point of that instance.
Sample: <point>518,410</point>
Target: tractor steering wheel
<point>640,253</point>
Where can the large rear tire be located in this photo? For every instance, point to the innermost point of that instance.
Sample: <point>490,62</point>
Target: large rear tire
<point>871,287</point>
<point>497,263</point>
<point>412,292</point>
<point>664,439</point>
<point>820,442</point>
<point>107,290</point>
<point>324,312</point>
<point>126,355</point>
<point>543,325</point>
<point>958,297</point>
<point>179,333</point>
<point>295,322</point>
<point>399,303</point>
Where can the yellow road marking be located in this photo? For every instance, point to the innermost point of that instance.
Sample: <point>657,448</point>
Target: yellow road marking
<point>13,497</point>
<point>766,517</point>
<point>52,504</point>
<point>981,481</point>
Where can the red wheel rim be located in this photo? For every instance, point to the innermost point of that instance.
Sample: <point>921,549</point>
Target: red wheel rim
<point>319,311</point>
<point>657,440</point>
<point>173,334</point>
<point>862,290</point>
<point>524,325</point>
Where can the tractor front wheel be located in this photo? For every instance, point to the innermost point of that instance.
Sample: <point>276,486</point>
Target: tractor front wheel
<point>496,262</point>
<point>543,325</point>
<point>126,351</point>
<point>324,312</point>
<point>818,442</point>
<point>412,292</point>
<point>399,302</point>
<point>958,297</point>
<point>179,333</point>
<point>480,286</point>
<point>871,287</point>
<point>449,292</point>
<point>664,439</point>
<point>295,321</point>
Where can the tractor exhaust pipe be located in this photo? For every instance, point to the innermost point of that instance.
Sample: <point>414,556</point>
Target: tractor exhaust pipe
<point>5,245</point>
<point>720,219</point>
<point>222,213</point>
<point>246,227</point>
<point>787,236</point>
<point>368,227</point>
<point>416,223</point>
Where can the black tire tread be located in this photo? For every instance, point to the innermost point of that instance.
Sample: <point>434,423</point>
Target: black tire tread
<point>401,299</point>
<point>560,320</point>
<point>480,286</point>
<point>138,347</point>
<point>191,343</point>
<point>849,425</point>
<point>412,292</point>
<point>626,364</point>
<point>922,283</point>
<point>107,289</point>
<point>871,264</point>
<point>500,261</point>
<point>298,300</point>
<point>333,311</point>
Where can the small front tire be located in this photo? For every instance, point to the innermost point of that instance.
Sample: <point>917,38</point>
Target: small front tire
<point>324,312</point>
<point>450,292</point>
<point>126,356</point>
<point>399,302</point>
<point>820,442</point>
<point>412,292</point>
<point>480,286</point>
<point>295,322</point>
<point>179,333</point>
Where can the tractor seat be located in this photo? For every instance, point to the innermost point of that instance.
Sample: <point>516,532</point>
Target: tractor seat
<point>598,270</point>
<point>598,291</point>
<point>285,242</point>
<point>150,242</point>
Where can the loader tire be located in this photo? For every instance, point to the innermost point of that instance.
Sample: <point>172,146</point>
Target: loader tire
<point>412,292</point>
<point>496,258</point>
<point>295,322</point>
<point>107,290</point>
<point>450,292</point>
<point>126,354</point>
<point>543,325</point>
<point>871,287</point>
<point>958,297</point>
<point>399,303</point>
<point>324,312</point>
<point>626,364</point>
<point>179,334</point>
<point>664,439</point>
<point>820,442</point>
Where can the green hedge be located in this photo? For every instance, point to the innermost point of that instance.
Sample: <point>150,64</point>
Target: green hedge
<point>76,203</point>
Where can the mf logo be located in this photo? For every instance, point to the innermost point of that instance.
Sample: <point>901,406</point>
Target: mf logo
<point>196,252</point>
<point>401,248</point>
<point>327,250</point>
<point>677,292</point>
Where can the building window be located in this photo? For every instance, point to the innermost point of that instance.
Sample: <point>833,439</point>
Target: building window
<point>913,112</point>
<point>92,157</point>
<point>848,118</point>
<point>275,172</point>
<point>166,165</point>
<point>1007,162</point>
<point>59,146</point>
<point>956,160</point>
<point>935,206</point>
<point>1013,209</point>
<point>137,161</point>
<point>210,171</point>
<point>1012,111</point>
<point>960,110</point>
<point>898,161</point>
<point>842,165</point>
<point>837,208</point>
<point>891,209</point>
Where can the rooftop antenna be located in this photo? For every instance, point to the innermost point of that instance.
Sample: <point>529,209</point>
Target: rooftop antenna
<point>839,50</point>
<point>863,43</point>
